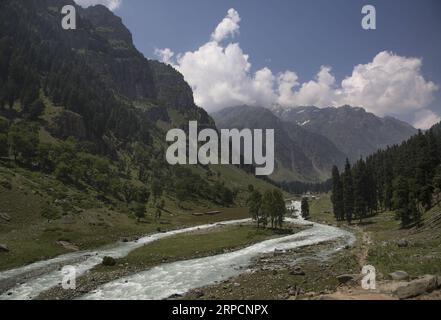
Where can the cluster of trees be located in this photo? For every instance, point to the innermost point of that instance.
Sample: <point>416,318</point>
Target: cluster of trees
<point>268,208</point>
<point>71,164</point>
<point>46,64</point>
<point>404,178</point>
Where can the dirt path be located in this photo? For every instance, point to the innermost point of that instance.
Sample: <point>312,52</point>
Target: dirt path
<point>365,246</point>
<point>354,291</point>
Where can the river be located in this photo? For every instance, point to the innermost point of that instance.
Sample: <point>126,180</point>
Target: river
<point>166,279</point>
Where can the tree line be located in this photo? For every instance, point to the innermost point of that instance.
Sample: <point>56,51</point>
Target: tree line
<point>268,208</point>
<point>403,178</point>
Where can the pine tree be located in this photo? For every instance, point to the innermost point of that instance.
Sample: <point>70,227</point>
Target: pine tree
<point>305,208</point>
<point>348,193</point>
<point>337,195</point>
<point>400,201</point>
<point>360,190</point>
<point>279,208</point>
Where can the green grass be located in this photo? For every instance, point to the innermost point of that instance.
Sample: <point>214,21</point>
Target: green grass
<point>422,256</point>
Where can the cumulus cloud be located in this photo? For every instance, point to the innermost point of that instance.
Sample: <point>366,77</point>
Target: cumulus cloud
<point>425,119</point>
<point>165,55</point>
<point>387,85</point>
<point>111,4</point>
<point>228,27</point>
<point>220,74</point>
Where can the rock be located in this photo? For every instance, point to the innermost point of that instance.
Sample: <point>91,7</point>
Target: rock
<point>297,272</point>
<point>198,293</point>
<point>417,287</point>
<point>402,243</point>
<point>4,248</point>
<point>237,285</point>
<point>278,252</point>
<point>399,276</point>
<point>5,217</point>
<point>109,262</point>
<point>67,245</point>
<point>345,278</point>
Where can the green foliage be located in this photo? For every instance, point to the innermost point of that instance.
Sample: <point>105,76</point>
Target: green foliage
<point>337,195</point>
<point>108,262</point>
<point>35,109</point>
<point>50,212</point>
<point>254,203</point>
<point>305,209</point>
<point>4,148</point>
<point>139,211</point>
<point>4,125</point>
<point>23,141</point>
<point>348,193</point>
<point>403,178</point>
<point>273,208</point>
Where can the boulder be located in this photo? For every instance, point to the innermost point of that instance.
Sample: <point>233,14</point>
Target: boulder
<point>67,245</point>
<point>4,248</point>
<point>109,261</point>
<point>402,243</point>
<point>297,272</point>
<point>345,278</point>
<point>399,276</point>
<point>417,287</point>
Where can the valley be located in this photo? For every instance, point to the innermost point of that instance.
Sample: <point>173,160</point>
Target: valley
<point>95,174</point>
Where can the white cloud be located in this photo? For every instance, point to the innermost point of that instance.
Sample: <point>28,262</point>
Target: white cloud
<point>390,84</point>
<point>228,27</point>
<point>165,55</point>
<point>425,119</point>
<point>220,75</point>
<point>111,4</point>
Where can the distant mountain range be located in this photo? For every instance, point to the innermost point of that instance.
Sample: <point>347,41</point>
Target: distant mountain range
<point>310,140</point>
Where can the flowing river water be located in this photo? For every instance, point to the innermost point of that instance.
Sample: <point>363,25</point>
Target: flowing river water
<point>166,279</point>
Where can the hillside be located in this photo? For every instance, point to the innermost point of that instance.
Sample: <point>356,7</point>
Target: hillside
<point>83,118</point>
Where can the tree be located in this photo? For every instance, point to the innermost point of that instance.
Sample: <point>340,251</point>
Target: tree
<point>23,141</point>
<point>437,183</point>
<point>4,145</point>
<point>227,196</point>
<point>360,190</point>
<point>267,207</point>
<point>255,204</point>
<point>337,195</point>
<point>139,211</point>
<point>400,201</point>
<point>35,109</point>
<point>279,208</point>
<point>305,208</point>
<point>348,193</point>
<point>157,189</point>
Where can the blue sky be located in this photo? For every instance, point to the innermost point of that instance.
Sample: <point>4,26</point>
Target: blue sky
<point>314,44</point>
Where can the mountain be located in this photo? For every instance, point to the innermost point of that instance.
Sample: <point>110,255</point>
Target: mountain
<point>301,155</point>
<point>86,107</point>
<point>353,130</point>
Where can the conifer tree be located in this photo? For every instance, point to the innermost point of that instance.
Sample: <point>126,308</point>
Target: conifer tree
<point>337,195</point>
<point>348,193</point>
<point>305,208</point>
